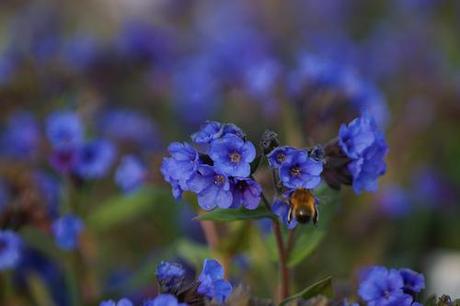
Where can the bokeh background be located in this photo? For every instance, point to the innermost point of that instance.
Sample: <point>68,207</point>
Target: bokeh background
<point>144,73</point>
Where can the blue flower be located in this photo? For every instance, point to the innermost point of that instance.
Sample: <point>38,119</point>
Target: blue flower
<point>22,136</point>
<point>212,283</point>
<point>357,136</point>
<point>365,146</point>
<point>213,130</point>
<point>383,287</point>
<point>280,155</point>
<point>67,231</point>
<point>413,282</point>
<point>212,187</point>
<point>183,163</point>
<point>232,155</point>
<point>64,129</point>
<point>122,302</point>
<point>130,174</point>
<point>301,171</point>
<point>281,209</point>
<point>366,169</point>
<point>164,300</point>
<point>10,249</point>
<point>177,189</point>
<point>208,132</point>
<point>180,167</point>
<point>94,159</point>
<point>246,192</point>
<point>170,275</point>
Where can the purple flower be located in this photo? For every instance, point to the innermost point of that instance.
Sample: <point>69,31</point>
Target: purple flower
<point>281,209</point>
<point>301,171</point>
<point>246,192</point>
<point>64,129</point>
<point>122,302</point>
<point>366,169</point>
<point>170,275</point>
<point>130,174</point>
<point>66,231</point>
<point>365,146</point>
<point>180,167</point>
<point>94,159</point>
<point>232,155</point>
<point>208,132</point>
<point>280,155</point>
<point>413,282</point>
<point>22,136</point>
<point>212,187</point>
<point>383,287</point>
<point>357,136</point>
<point>10,249</point>
<point>213,130</point>
<point>212,283</point>
<point>163,300</point>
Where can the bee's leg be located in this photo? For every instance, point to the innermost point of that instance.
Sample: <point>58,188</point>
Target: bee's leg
<point>316,216</point>
<point>290,214</point>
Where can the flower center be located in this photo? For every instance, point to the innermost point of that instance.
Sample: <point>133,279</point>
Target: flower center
<point>235,157</point>
<point>295,171</point>
<point>219,179</point>
<point>280,157</point>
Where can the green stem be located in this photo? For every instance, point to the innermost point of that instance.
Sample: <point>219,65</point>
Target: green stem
<point>282,254</point>
<point>72,280</point>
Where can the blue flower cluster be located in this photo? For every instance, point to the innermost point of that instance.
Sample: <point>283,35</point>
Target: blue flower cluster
<point>386,287</point>
<point>177,291</point>
<point>211,282</point>
<point>71,154</point>
<point>220,174</point>
<point>364,144</point>
<point>10,249</point>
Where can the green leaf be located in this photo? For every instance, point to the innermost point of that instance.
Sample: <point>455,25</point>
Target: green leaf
<point>309,236</point>
<point>125,208</point>
<point>229,215</point>
<point>323,287</point>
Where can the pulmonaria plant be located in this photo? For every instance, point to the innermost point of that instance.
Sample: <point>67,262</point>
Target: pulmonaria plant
<point>221,168</point>
<point>176,289</point>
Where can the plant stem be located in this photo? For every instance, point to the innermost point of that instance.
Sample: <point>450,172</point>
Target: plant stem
<point>284,271</point>
<point>282,254</point>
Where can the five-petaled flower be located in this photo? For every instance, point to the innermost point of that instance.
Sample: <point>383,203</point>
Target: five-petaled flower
<point>301,171</point>
<point>232,155</point>
<point>212,188</point>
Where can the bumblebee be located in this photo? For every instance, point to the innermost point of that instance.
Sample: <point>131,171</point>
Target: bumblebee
<point>302,206</point>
